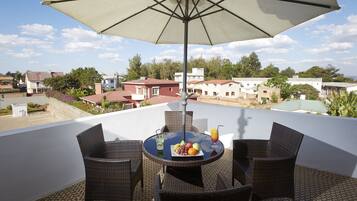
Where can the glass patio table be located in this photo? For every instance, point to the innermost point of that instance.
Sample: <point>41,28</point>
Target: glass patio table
<point>187,169</point>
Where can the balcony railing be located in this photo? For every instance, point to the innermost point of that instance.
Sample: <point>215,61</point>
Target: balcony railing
<point>40,160</point>
<point>137,97</point>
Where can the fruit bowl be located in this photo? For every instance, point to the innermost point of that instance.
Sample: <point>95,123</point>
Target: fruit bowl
<point>186,150</point>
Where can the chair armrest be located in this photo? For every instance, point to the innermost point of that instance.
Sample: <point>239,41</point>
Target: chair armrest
<point>249,149</point>
<point>273,169</point>
<point>222,183</point>
<point>157,188</point>
<point>164,129</point>
<point>124,149</point>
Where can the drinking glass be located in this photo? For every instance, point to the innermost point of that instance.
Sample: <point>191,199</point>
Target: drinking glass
<point>160,138</point>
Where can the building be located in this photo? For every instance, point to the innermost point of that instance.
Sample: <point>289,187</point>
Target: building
<point>198,74</point>
<point>250,84</point>
<point>301,106</point>
<point>34,80</point>
<point>330,87</point>
<point>215,88</point>
<point>146,88</point>
<point>266,94</point>
<point>110,82</point>
<point>6,83</point>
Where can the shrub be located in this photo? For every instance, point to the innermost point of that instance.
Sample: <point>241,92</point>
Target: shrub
<point>274,98</point>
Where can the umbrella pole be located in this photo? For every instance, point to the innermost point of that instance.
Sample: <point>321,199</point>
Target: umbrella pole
<point>184,95</point>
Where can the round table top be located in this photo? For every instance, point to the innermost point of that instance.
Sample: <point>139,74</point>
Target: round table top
<point>210,152</point>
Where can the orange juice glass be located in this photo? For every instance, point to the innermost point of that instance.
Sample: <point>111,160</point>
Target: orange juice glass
<point>214,135</point>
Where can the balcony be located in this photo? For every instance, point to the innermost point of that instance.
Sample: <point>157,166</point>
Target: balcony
<point>137,97</point>
<point>39,161</point>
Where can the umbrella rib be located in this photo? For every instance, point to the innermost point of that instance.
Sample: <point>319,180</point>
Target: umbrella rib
<point>179,3</point>
<point>239,17</point>
<point>133,15</point>
<point>54,2</point>
<point>167,23</point>
<point>194,7</point>
<point>206,14</point>
<point>204,10</point>
<point>309,4</point>
<point>171,11</point>
<point>165,13</point>
<point>204,27</point>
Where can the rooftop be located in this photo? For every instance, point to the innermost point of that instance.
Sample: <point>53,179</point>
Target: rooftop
<point>305,105</point>
<point>111,96</point>
<point>339,84</point>
<point>40,76</point>
<point>220,82</point>
<point>150,81</point>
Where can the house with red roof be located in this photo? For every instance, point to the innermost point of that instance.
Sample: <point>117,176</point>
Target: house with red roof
<point>147,88</point>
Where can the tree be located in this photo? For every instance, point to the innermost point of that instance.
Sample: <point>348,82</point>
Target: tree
<point>134,70</point>
<point>87,76</point>
<point>306,89</point>
<point>342,104</point>
<point>328,74</point>
<point>288,72</point>
<point>269,71</point>
<point>63,83</point>
<point>247,66</point>
<point>281,83</point>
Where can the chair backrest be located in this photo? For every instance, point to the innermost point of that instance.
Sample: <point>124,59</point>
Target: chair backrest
<point>233,194</point>
<point>287,138</point>
<point>91,141</point>
<point>173,120</point>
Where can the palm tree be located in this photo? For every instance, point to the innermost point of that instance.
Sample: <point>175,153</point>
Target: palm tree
<point>342,104</point>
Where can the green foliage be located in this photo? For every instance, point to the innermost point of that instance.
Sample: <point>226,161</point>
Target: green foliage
<point>87,76</point>
<point>78,93</point>
<point>274,98</point>
<point>342,104</point>
<point>288,72</point>
<point>105,104</point>
<point>134,70</point>
<point>33,107</point>
<point>310,92</point>
<point>269,71</point>
<point>63,83</point>
<point>144,103</point>
<point>281,83</point>
<point>329,74</point>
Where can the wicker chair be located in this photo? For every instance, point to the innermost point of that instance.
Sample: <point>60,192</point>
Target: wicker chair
<point>223,192</point>
<point>112,168</point>
<point>268,164</point>
<point>173,121</point>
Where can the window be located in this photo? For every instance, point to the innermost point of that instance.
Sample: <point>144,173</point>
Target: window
<point>206,93</point>
<point>139,90</point>
<point>37,84</point>
<point>232,93</point>
<point>230,85</point>
<point>214,93</point>
<point>170,89</point>
<point>227,93</point>
<point>155,91</point>
<point>265,91</point>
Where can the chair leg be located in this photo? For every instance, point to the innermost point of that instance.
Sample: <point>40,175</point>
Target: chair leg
<point>232,181</point>
<point>142,184</point>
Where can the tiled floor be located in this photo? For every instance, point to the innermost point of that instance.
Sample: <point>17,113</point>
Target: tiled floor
<point>310,184</point>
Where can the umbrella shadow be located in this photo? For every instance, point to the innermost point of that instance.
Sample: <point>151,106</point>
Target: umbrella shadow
<point>242,124</point>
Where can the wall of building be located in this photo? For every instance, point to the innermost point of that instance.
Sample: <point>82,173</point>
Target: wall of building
<point>44,159</point>
<point>168,90</point>
<point>221,90</point>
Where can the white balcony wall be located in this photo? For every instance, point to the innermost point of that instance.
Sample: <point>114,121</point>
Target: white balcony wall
<point>330,143</point>
<point>44,159</point>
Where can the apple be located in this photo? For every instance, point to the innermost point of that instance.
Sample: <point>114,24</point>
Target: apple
<point>188,145</point>
<point>196,146</point>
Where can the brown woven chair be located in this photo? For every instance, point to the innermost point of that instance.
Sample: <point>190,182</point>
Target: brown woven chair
<point>173,121</point>
<point>268,164</point>
<point>223,192</point>
<point>112,168</point>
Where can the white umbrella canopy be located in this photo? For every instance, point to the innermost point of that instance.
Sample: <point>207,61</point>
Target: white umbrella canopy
<point>204,22</point>
<point>210,21</point>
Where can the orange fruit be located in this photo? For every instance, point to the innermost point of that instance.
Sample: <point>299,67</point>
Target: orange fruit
<point>192,152</point>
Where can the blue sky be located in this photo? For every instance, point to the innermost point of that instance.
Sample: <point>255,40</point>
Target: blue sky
<point>38,38</point>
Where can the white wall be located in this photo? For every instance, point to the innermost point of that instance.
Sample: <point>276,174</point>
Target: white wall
<point>40,160</point>
<point>44,159</point>
<point>330,143</point>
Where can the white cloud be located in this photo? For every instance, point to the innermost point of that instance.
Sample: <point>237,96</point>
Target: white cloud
<point>16,40</point>
<point>39,30</point>
<point>277,45</point>
<point>336,47</point>
<point>112,57</point>
<point>78,39</point>
<point>24,53</point>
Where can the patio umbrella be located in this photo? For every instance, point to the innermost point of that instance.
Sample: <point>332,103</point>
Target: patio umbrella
<point>204,22</point>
